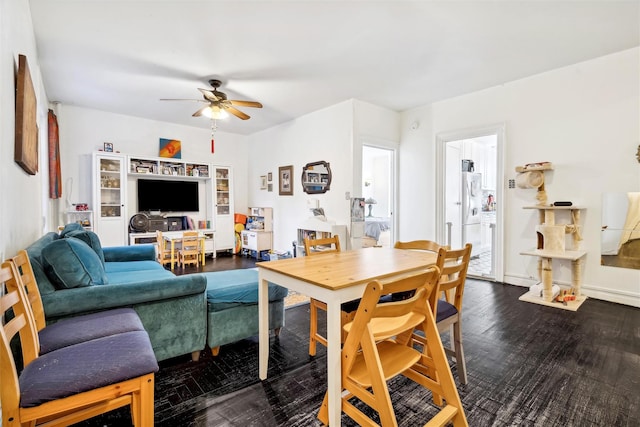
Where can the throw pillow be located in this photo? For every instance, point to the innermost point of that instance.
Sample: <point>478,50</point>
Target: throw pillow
<point>68,228</point>
<point>91,239</point>
<point>71,263</point>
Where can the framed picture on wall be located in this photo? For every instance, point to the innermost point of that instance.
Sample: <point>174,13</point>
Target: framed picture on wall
<point>108,147</point>
<point>285,174</point>
<point>263,182</point>
<point>26,127</point>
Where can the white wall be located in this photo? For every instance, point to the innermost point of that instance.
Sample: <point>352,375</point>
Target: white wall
<point>333,134</point>
<point>24,197</point>
<point>83,131</point>
<point>324,135</point>
<point>585,120</point>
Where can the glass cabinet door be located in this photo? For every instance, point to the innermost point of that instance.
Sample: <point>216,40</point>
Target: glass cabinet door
<point>110,198</point>
<point>111,202</point>
<point>223,197</point>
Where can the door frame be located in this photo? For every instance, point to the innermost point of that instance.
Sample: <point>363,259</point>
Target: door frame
<point>441,228</point>
<point>391,146</point>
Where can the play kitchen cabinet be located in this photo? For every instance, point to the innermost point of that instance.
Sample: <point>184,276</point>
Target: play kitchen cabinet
<point>258,236</point>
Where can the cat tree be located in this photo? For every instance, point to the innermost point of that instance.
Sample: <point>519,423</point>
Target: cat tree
<point>551,243</point>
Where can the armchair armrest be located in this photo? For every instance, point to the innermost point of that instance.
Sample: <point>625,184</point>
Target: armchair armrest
<point>145,252</point>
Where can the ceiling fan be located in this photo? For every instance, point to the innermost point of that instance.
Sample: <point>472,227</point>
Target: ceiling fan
<point>218,105</point>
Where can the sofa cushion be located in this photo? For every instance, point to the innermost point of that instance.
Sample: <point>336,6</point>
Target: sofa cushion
<point>71,227</point>
<point>133,266</point>
<point>71,263</point>
<point>226,289</point>
<point>91,239</point>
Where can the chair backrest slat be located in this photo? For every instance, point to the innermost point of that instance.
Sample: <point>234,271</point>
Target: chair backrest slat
<point>23,265</point>
<point>453,264</point>
<point>328,244</point>
<point>22,322</point>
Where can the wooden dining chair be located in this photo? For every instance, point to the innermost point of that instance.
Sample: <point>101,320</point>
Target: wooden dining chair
<point>313,247</point>
<point>453,265</point>
<point>189,252</point>
<point>163,254</point>
<point>73,383</point>
<point>378,348</point>
<point>72,330</point>
<point>416,245</point>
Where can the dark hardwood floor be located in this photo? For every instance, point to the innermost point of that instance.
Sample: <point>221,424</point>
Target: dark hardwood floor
<point>528,365</point>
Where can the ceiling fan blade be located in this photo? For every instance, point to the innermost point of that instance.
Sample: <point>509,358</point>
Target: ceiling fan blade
<point>237,113</point>
<point>200,112</point>
<point>246,103</point>
<point>209,94</point>
<point>192,100</point>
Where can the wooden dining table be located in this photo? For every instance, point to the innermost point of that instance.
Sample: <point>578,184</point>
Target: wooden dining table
<point>333,278</point>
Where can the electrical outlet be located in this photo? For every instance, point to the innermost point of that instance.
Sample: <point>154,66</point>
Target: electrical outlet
<point>512,183</point>
<point>347,195</point>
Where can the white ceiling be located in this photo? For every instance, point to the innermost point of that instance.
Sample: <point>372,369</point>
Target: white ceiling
<point>296,57</point>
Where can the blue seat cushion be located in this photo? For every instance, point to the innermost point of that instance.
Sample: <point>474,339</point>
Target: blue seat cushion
<point>226,289</point>
<point>87,366</point>
<point>445,310</point>
<point>74,330</point>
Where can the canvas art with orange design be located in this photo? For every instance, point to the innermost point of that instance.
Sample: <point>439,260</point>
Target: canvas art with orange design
<point>170,148</point>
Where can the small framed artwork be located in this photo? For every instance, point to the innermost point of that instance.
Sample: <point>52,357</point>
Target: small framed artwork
<point>270,175</point>
<point>285,175</point>
<point>263,182</point>
<point>171,148</point>
<point>108,147</point>
<point>270,187</point>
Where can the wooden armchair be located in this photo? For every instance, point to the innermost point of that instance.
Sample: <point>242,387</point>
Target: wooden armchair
<point>73,383</point>
<point>453,265</point>
<point>378,348</point>
<point>189,252</point>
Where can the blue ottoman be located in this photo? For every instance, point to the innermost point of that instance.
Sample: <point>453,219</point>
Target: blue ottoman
<point>232,306</point>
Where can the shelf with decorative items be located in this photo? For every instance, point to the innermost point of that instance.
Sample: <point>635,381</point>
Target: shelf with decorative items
<point>82,217</point>
<point>167,168</point>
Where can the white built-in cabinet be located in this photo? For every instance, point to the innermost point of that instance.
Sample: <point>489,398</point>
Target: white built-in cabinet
<point>112,171</point>
<point>109,198</point>
<point>223,208</point>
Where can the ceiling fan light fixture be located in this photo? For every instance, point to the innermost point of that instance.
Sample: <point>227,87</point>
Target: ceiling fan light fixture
<point>215,112</point>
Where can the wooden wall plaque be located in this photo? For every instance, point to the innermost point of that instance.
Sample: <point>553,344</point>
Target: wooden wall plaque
<point>26,144</point>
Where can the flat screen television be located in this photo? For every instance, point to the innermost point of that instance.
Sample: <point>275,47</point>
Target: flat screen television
<point>167,196</point>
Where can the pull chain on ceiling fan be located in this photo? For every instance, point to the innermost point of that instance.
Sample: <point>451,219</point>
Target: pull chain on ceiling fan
<point>219,106</point>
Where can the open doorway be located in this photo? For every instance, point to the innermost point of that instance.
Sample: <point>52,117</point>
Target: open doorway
<point>377,191</point>
<point>470,202</point>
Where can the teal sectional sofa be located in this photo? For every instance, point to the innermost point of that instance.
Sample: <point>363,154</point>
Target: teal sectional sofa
<point>76,276</point>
